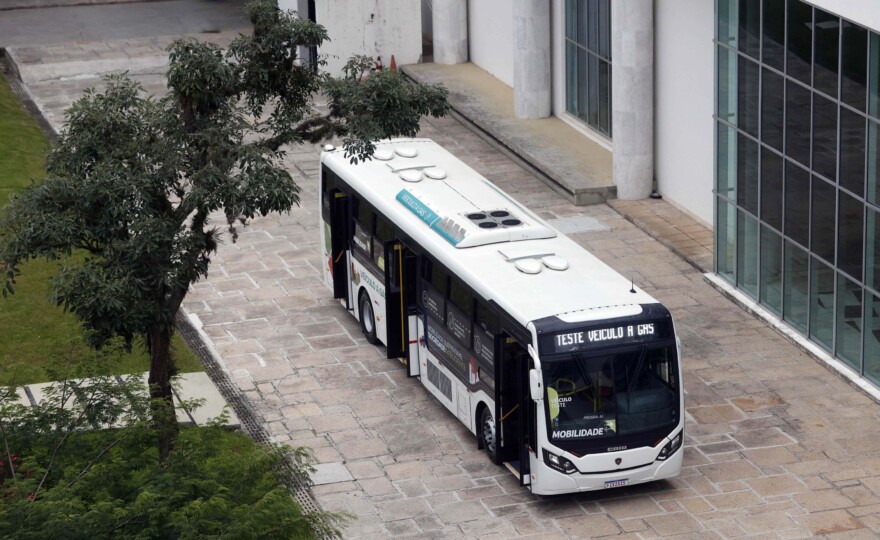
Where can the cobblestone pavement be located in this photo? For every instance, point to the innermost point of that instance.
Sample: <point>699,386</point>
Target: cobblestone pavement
<point>777,446</point>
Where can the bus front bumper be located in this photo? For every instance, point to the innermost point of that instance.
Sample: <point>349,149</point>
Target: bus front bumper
<point>548,481</point>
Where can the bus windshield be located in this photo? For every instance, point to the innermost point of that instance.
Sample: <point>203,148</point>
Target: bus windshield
<point>612,393</point>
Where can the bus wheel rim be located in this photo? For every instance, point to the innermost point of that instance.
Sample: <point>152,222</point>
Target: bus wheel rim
<point>368,316</point>
<point>489,434</point>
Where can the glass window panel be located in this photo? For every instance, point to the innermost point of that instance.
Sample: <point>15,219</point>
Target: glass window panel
<point>872,337</point>
<point>799,53</point>
<point>593,87</point>
<point>593,26</point>
<point>726,162</point>
<point>827,36</point>
<point>772,107</point>
<point>825,137</point>
<point>822,220</point>
<point>582,22</point>
<point>727,91</point>
<point>747,173</point>
<point>874,75</point>
<point>771,188</point>
<point>582,84</point>
<point>771,270</point>
<point>873,163</point>
<point>750,27</point>
<point>725,240</point>
<point>571,77</point>
<point>872,250</point>
<point>852,151</point>
<point>728,11</point>
<point>604,98</point>
<point>821,303</point>
<point>571,19</point>
<point>797,122</point>
<point>774,33</point>
<point>748,95</point>
<point>854,77</point>
<point>797,204</point>
<point>796,280</point>
<point>850,234</point>
<point>605,28</point>
<point>747,254</point>
<point>849,322</point>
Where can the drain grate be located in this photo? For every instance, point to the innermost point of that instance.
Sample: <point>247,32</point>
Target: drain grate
<point>243,408</point>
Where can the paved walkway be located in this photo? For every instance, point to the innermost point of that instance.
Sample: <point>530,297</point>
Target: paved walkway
<point>776,446</point>
<point>188,387</point>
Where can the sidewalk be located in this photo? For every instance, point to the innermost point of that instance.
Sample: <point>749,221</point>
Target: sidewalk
<point>189,386</point>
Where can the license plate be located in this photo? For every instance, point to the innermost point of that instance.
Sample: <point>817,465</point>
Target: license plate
<point>616,483</point>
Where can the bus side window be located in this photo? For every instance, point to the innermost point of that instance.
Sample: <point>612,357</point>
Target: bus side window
<point>433,290</point>
<point>384,233</point>
<point>460,314</point>
<point>487,319</point>
<point>363,226</point>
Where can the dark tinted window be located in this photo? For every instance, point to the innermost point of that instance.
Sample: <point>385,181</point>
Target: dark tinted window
<point>799,52</point>
<point>822,219</point>
<point>750,27</point>
<point>797,204</point>
<point>747,173</point>
<point>852,151</point>
<point>797,123</point>
<point>772,107</point>
<point>771,188</point>
<point>825,137</point>
<point>774,33</point>
<point>850,235</point>
<point>461,298</point>
<point>827,35</point>
<point>747,101</point>
<point>854,79</point>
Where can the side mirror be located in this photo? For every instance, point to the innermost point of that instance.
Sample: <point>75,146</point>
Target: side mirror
<point>536,385</point>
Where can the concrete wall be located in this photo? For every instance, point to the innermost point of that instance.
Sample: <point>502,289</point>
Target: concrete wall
<point>371,27</point>
<point>683,103</point>
<point>490,33</point>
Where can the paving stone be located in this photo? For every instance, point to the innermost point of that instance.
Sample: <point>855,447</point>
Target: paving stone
<point>330,473</point>
<point>833,521</point>
<point>587,526</point>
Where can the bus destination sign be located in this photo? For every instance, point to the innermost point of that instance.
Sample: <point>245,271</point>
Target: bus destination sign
<point>622,334</point>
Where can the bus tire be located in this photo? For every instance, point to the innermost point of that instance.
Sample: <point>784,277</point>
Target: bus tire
<point>488,434</point>
<point>368,318</point>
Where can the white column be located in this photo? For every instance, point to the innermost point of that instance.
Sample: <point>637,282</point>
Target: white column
<point>450,29</point>
<point>532,88</point>
<point>632,96</point>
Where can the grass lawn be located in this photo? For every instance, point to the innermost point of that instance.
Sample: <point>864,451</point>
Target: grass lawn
<point>37,337</point>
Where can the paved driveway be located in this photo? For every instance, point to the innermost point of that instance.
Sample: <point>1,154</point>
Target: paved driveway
<point>777,445</point>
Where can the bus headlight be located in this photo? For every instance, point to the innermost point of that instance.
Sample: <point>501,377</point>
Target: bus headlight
<point>671,447</point>
<point>559,463</point>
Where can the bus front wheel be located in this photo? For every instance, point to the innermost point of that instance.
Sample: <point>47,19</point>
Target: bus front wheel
<point>368,320</point>
<point>488,436</point>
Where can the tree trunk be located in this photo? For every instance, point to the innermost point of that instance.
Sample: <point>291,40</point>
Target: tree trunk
<point>162,403</point>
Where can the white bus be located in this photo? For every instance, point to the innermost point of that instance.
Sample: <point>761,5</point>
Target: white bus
<point>566,374</point>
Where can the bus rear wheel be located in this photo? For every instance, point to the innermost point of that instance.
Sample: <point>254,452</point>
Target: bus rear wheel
<point>488,434</point>
<point>368,319</point>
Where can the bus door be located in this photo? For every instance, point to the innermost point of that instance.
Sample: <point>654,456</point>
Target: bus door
<point>400,293</point>
<point>512,407</point>
<point>339,220</point>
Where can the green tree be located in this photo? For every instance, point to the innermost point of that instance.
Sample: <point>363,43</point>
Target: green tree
<point>133,180</point>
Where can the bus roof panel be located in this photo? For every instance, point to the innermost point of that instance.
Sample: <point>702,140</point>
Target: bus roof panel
<point>438,214</point>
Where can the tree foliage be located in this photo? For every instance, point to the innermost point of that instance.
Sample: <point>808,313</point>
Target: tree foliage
<point>66,472</point>
<point>135,181</point>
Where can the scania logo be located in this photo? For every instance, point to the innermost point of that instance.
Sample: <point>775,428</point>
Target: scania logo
<point>618,461</point>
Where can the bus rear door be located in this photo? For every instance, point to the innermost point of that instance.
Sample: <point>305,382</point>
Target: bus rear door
<point>339,238</point>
